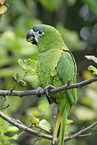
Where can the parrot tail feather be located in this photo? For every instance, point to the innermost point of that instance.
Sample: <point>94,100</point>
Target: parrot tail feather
<point>62,128</point>
<point>55,132</point>
<point>60,123</point>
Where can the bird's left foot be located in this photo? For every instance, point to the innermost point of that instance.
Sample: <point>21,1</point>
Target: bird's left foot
<point>46,90</point>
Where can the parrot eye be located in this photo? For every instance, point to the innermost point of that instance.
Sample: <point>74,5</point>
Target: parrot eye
<point>40,32</point>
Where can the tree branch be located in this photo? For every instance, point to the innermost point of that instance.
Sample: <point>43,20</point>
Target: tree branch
<point>42,92</point>
<point>33,92</point>
<point>71,86</point>
<point>19,125</point>
<point>80,132</point>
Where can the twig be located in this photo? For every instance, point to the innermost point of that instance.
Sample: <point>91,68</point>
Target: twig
<point>85,134</point>
<point>1,106</point>
<point>23,127</point>
<point>31,131</point>
<point>42,92</point>
<point>71,86</point>
<point>80,132</point>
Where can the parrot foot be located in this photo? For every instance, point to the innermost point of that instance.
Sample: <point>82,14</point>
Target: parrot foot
<point>38,92</point>
<point>46,90</point>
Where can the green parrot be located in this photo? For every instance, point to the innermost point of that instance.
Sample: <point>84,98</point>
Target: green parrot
<point>56,67</point>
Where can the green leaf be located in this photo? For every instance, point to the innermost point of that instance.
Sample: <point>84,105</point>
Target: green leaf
<point>23,83</point>
<point>43,106</point>
<point>33,119</point>
<point>69,121</point>
<point>44,124</point>
<point>12,129</point>
<point>36,113</point>
<point>91,57</point>
<point>6,138</point>
<point>15,137</point>
<point>18,79</point>
<point>92,68</point>
<point>4,125</point>
<point>28,65</point>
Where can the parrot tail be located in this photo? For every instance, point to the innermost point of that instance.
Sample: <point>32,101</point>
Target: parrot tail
<point>60,122</point>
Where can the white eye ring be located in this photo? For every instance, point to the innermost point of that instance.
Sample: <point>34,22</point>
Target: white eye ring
<point>40,32</point>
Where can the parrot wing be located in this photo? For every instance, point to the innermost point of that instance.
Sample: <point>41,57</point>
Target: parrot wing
<point>66,69</point>
<point>67,72</point>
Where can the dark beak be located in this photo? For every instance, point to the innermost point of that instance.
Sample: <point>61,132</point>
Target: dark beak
<point>31,37</point>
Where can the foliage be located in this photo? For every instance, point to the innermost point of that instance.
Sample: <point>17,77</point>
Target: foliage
<point>6,128</point>
<point>92,68</point>
<point>29,66</point>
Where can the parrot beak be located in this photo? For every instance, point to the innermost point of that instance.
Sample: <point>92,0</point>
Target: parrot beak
<point>31,37</point>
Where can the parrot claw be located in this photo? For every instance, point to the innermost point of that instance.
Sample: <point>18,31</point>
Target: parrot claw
<point>38,91</point>
<point>46,90</point>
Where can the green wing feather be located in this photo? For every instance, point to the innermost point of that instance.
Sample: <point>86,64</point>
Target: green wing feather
<point>66,69</point>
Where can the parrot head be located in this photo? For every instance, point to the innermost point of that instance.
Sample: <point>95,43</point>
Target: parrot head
<point>34,34</point>
<point>45,37</point>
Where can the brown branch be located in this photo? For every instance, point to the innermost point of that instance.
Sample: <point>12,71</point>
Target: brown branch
<point>42,92</point>
<point>80,132</point>
<point>71,86</point>
<point>19,125</point>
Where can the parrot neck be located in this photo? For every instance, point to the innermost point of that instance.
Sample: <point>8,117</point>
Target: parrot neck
<point>51,43</point>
